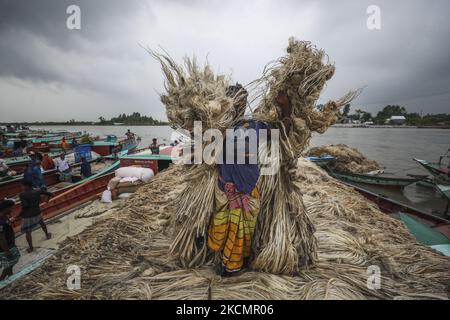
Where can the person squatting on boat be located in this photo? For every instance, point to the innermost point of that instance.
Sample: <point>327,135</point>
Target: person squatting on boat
<point>47,162</point>
<point>237,198</point>
<point>31,211</point>
<point>9,254</point>
<point>64,144</point>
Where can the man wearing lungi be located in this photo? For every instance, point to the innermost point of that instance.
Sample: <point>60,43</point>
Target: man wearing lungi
<point>31,211</point>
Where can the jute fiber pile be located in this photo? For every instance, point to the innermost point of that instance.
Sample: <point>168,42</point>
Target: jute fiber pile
<point>126,256</point>
<point>284,239</point>
<point>315,238</point>
<point>347,159</point>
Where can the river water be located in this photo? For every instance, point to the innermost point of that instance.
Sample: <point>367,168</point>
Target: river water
<point>393,148</point>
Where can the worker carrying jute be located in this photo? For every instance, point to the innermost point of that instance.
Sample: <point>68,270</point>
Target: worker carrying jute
<point>230,214</point>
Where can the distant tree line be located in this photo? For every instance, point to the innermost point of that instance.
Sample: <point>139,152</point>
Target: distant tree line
<point>71,122</point>
<point>412,119</point>
<point>132,119</point>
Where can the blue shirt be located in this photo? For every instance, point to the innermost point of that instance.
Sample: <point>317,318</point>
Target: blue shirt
<point>34,175</point>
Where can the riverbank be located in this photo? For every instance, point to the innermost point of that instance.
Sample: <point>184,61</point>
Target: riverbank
<point>388,126</point>
<point>126,255</point>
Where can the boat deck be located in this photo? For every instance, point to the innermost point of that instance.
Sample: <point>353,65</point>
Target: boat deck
<point>61,228</point>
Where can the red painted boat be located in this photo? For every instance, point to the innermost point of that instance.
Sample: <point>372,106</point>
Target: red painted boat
<point>11,188</point>
<point>74,195</point>
<point>66,200</point>
<point>70,195</point>
<point>112,145</point>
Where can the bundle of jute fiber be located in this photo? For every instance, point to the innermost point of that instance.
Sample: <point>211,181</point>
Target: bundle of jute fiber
<point>284,235</point>
<point>302,73</point>
<point>347,159</point>
<point>126,255</point>
<point>195,94</point>
<point>284,239</point>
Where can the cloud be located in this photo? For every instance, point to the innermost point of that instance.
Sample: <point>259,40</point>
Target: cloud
<point>102,70</point>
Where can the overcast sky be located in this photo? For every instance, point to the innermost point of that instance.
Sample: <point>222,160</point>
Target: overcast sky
<point>48,72</point>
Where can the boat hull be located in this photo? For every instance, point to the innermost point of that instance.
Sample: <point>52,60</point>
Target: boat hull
<point>440,174</point>
<point>107,148</point>
<point>393,208</point>
<point>11,188</point>
<point>374,180</point>
<point>88,189</point>
<point>70,196</point>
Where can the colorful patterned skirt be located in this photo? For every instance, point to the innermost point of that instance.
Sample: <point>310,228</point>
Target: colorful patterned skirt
<point>6,262</point>
<point>29,223</point>
<point>232,226</point>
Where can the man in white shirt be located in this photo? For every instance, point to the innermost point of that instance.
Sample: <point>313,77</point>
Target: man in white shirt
<point>64,168</point>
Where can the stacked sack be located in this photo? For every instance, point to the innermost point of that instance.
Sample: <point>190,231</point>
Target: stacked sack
<point>128,179</point>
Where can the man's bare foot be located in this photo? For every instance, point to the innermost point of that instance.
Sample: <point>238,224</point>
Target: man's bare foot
<point>49,236</point>
<point>30,249</point>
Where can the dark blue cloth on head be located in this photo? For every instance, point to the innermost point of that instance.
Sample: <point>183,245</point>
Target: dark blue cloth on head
<point>244,176</point>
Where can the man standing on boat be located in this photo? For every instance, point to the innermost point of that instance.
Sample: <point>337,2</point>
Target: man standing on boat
<point>154,146</point>
<point>129,134</point>
<point>31,211</point>
<point>33,174</point>
<point>74,143</point>
<point>9,254</point>
<point>63,168</point>
<point>85,169</point>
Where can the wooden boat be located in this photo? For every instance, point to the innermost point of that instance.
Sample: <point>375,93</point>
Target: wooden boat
<point>49,143</point>
<point>19,164</point>
<point>393,208</point>
<point>426,235</point>
<point>85,190</point>
<point>321,161</point>
<point>156,162</point>
<point>423,233</point>
<point>111,144</point>
<point>67,194</point>
<point>439,172</point>
<point>391,182</point>
<point>444,189</point>
<point>11,188</point>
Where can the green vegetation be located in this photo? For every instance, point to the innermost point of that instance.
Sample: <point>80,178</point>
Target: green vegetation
<point>412,119</point>
<point>133,119</point>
